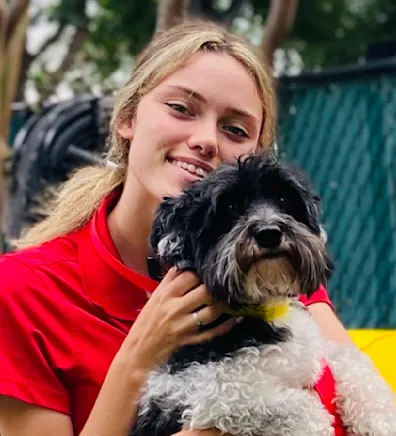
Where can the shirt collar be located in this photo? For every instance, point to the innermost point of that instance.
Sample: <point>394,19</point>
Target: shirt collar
<point>118,290</point>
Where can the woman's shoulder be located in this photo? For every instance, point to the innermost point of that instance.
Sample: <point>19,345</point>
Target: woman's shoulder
<point>30,268</point>
<point>51,252</point>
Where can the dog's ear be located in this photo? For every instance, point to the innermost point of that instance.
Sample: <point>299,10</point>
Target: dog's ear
<point>169,238</point>
<point>329,267</point>
<point>320,276</point>
<point>166,221</point>
<point>313,212</point>
<point>309,196</point>
<point>328,260</point>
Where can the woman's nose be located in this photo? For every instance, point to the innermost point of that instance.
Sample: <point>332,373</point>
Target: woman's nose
<point>205,140</point>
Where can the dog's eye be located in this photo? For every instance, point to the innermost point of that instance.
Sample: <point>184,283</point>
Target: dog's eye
<point>283,202</point>
<point>233,209</point>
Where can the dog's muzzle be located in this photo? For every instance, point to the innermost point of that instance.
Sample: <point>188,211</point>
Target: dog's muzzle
<point>259,261</point>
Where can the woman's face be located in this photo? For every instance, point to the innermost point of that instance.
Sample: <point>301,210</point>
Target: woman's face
<point>206,113</point>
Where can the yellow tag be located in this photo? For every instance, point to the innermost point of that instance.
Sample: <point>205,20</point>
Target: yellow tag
<point>269,312</point>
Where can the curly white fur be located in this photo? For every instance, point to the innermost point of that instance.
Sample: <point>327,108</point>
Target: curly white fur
<point>263,391</point>
<point>365,402</point>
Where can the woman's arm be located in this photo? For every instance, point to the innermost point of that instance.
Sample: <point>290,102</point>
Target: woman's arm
<point>328,322</point>
<point>112,414</point>
<point>20,418</point>
<point>115,408</point>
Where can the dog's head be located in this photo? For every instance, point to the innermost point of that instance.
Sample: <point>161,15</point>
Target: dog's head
<point>250,231</point>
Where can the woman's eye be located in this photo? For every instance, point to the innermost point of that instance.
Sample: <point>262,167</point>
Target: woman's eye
<point>237,131</point>
<point>178,107</point>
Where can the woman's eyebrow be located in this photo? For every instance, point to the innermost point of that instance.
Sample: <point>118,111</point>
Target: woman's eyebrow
<point>190,92</point>
<point>196,95</point>
<point>242,113</point>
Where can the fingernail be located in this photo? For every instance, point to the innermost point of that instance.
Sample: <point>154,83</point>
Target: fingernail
<point>239,319</point>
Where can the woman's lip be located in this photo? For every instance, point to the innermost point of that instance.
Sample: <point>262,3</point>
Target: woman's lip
<point>186,174</point>
<point>193,161</point>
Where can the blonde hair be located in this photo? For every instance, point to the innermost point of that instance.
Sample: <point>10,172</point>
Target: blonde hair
<point>75,203</point>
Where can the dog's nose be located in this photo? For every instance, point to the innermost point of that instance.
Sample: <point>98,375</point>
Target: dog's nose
<point>269,237</point>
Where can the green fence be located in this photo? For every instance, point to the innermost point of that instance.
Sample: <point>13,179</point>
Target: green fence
<point>340,126</point>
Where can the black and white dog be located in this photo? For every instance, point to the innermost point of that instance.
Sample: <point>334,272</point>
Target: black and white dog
<point>251,233</point>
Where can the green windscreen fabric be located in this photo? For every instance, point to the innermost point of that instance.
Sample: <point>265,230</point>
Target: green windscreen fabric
<point>340,127</point>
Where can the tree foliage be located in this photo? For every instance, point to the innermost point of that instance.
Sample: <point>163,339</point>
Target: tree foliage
<point>325,32</point>
<point>330,33</point>
<point>119,29</point>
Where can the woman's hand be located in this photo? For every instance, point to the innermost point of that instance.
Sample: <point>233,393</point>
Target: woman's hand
<point>167,322</point>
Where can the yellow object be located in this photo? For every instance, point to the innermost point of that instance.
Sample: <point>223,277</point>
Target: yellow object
<point>269,312</point>
<point>380,346</point>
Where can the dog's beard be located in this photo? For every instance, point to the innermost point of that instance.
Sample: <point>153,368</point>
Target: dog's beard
<point>240,272</point>
<point>271,278</point>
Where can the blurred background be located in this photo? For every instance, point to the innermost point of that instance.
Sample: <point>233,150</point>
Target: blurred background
<point>335,66</point>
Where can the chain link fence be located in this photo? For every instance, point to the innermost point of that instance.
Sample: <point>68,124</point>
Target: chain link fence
<point>340,127</point>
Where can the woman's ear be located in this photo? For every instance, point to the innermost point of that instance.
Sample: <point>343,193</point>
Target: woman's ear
<point>126,129</point>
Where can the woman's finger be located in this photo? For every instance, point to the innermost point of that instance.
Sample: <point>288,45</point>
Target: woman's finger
<point>179,283</point>
<point>195,298</point>
<point>171,274</point>
<point>204,316</point>
<point>208,335</point>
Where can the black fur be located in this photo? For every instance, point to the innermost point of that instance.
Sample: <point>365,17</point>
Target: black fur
<point>251,332</point>
<point>155,423</point>
<point>209,209</point>
<point>198,219</point>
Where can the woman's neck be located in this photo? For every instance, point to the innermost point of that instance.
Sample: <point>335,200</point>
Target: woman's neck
<point>130,224</point>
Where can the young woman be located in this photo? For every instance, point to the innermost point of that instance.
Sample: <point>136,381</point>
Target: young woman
<point>79,332</point>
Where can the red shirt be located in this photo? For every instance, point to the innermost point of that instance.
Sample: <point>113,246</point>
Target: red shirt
<point>65,309</point>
